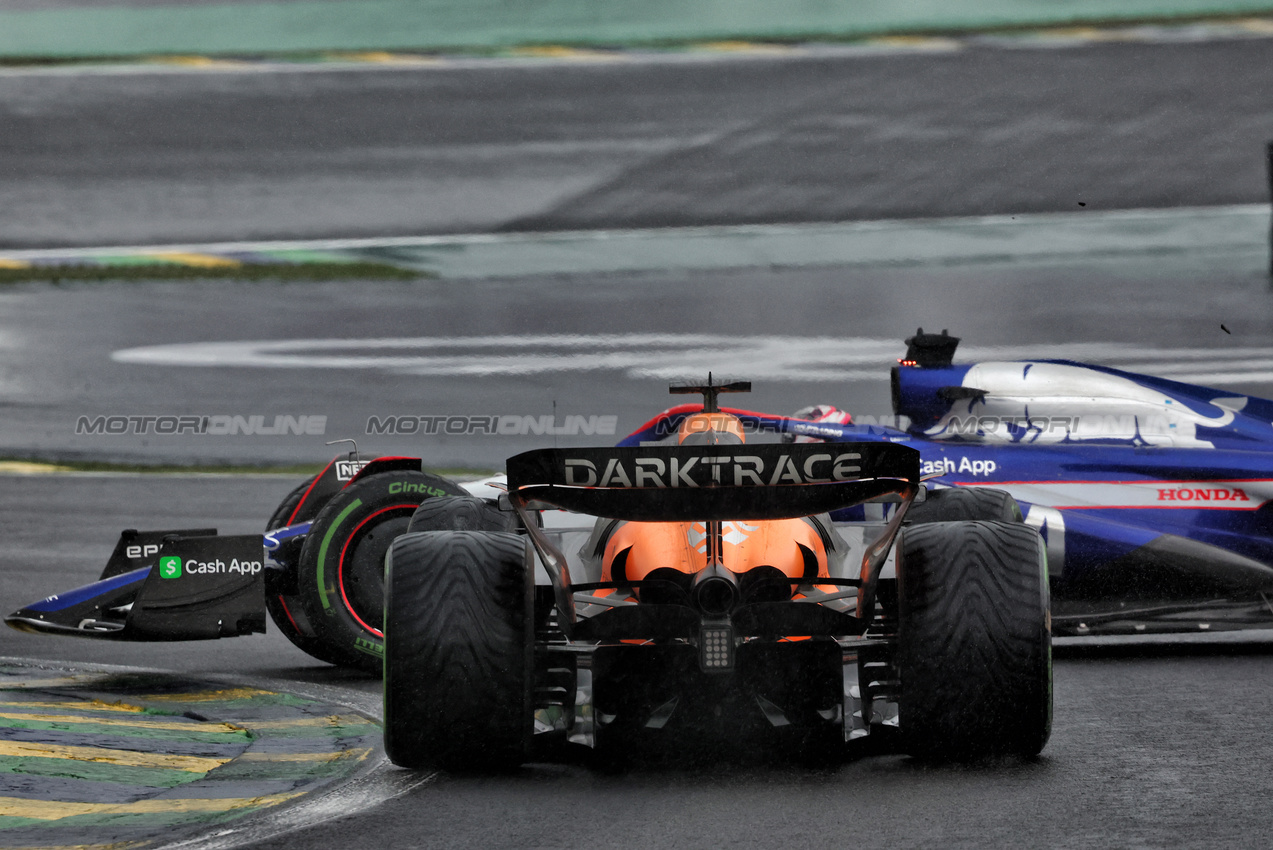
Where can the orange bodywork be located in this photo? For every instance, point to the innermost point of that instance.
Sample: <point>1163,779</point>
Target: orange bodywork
<point>717,423</point>
<point>682,546</point>
<point>790,546</point>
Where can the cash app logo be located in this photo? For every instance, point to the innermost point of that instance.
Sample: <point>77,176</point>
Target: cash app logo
<point>170,567</point>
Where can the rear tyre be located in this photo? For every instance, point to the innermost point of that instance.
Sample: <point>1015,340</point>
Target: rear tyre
<point>974,651</point>
<point>340,580</point>
<point>280,587</point>
<point>461,513</point>
<point>962,504</point>
<point>459,641</point>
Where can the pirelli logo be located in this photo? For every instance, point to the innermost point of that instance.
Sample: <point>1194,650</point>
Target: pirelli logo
<point>708,471</point>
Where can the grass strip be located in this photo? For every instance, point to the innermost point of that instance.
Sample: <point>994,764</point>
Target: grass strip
<point>311,272</point>
<point>377,26</point>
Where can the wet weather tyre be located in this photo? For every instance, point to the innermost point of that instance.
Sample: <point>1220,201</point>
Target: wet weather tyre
<point>280,599</point>
<point>962,504</point>
<point>340,578</point>
<point>461,513</point>
<point>974,650</point>
<point>459,638</point>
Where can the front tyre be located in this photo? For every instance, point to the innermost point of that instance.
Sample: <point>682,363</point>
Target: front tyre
<point>280,599</point>
<point>974,650</point>
<point>340,580</point>
<point>459,642</point>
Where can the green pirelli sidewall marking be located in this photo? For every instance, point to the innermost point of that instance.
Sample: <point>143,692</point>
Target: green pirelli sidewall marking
<point>370,647</point>
<point>322,551</point>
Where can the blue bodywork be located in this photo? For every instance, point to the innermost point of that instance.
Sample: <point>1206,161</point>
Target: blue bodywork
<point>1153,495</point>
<point>130,581</point>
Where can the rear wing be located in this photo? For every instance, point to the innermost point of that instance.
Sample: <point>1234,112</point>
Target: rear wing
<point>707,483</point>
<point>730,482</point>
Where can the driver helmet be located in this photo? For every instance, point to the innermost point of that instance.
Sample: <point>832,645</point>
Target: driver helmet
<point>821,414</point>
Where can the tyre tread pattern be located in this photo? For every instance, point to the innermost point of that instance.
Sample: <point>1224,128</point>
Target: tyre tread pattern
<point>974,649</point>
<point>964,504</point>
<point>458,643</point>
<point>461,513</point>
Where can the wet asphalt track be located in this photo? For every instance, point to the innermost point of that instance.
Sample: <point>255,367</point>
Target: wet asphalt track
<point>1168,750</point>
<point>1154,752</point>
<point>166,157</point>
<point>58,342</point>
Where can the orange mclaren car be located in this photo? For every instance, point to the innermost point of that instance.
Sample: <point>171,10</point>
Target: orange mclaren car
<point>696,594</point>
